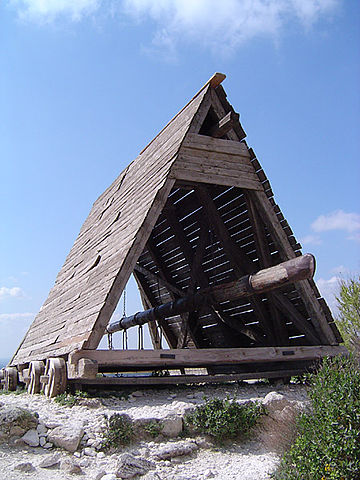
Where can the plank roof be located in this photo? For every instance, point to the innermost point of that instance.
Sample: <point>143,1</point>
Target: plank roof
<point>196,191</point>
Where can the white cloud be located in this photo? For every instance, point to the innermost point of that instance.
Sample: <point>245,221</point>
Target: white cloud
<point>210,23</point>
<point>49,10</point>
<point>225,24</point>
<point>337,220</point>
<point>311,240</point>
<point>329,289</point>
<point>6,292</point>
<point>15,316</point>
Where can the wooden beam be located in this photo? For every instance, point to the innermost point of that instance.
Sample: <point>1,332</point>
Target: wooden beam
<point>263,251</point>
<point>239,261</point>
<point>153,328</point>
<point>184,379</point>
<point>198,276</point>
<point>204,357</point>
<point>224,125</point>
<point>169,335</point>
<point>161,280</point>
<point>286,251</point>
<point>216,79</point>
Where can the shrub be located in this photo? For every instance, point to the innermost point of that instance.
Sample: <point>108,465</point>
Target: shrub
<point>153,429</point>
<point>224,418</point>
<point>119,431</point>
<point>348,319</point>
<point>328,442</point>
<point>69,400</point>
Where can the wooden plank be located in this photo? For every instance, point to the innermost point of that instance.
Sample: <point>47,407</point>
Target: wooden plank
<point>218,179</point>
<point>237,162</point>
<point>203,142</point>
<point>204,356</point>
<point>215,166</point>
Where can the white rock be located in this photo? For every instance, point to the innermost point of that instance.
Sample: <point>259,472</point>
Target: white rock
<point>42,441</point>
<point>100,474</point>
<point>48,445</point>
<point>172,426</point>
<point>109,476</point>
<point>31,438</point>
<point>77,454</point>
<point>85,461</point>
<point>138,393</point>
<point>209,474</point>
<point>41,429</point>
<point>175,449</point>
<point>129,466</point>
<point>100,455</point>
<point>275,401</point>
<point>50,461</point>
<point>25,467</point>
<point>69,466</point>
<point>90,452</point>
<point>67,437</point>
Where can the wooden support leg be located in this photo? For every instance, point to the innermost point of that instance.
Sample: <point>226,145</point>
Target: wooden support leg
<point>55,378</point>
<point>36,369</point>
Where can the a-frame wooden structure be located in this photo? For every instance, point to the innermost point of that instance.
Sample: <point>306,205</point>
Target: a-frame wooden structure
<point>194,209</point>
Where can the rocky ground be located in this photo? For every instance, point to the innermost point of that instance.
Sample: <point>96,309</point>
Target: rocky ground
<point>42,440</point>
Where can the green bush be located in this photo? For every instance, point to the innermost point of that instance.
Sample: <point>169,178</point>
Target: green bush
<point>153,429</point>
<point>224,419</point>
<point>328,442</point>
<point>119,431</point>
<point>348,319</point>
<point>68,399</point>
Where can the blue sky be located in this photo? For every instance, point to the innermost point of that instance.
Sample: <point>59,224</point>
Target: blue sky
<point>85,85</point>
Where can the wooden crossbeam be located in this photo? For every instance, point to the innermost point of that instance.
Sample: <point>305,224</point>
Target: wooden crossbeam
<point>204,357</point>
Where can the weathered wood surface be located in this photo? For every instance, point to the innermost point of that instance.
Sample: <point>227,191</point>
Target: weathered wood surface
<point>182,379</point>
<point>85,293</point>
<point>293,270</point>
<point>204,357</point>
<point>243,232</point>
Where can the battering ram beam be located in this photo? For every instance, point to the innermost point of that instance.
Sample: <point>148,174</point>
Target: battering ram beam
<point>291,271</point>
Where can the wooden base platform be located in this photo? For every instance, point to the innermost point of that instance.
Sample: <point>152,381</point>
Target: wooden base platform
<point>179,379</point>
<point>137,360</point>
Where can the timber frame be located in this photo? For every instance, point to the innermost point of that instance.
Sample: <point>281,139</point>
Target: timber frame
<point>193,210</point>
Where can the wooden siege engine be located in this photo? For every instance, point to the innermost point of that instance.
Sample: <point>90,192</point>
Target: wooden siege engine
<point>193,213</point>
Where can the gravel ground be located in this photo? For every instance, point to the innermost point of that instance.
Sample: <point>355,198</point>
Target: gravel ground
<point>235,461</point>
